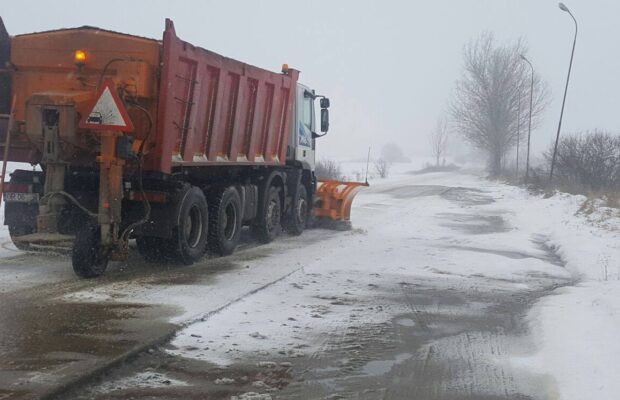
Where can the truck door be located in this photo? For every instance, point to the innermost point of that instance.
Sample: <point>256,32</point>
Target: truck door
<point>304,150</point>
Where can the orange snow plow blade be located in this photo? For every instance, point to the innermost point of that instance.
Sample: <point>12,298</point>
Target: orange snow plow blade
<point>335,199</point>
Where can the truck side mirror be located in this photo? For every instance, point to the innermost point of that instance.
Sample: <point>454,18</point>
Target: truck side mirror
<point>324,102</point>
<point>324,119</point>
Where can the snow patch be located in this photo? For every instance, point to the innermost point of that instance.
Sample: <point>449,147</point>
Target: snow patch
<point>144,380</point>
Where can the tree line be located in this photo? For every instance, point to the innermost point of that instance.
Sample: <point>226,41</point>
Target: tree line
<point>490,109</point>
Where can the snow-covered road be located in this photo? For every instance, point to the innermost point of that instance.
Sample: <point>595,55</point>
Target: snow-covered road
<point>448,287</point>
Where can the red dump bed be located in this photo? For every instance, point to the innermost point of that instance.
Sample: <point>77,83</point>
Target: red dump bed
<point>207,109</point>
<point>213,110</point>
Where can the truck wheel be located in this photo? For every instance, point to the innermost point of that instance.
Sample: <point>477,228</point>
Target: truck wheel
<point>269,224</point>
<point>224,221</point>
<point>190,236</point>
<point>297,220</point>
<point>88,258</point>
<point>16,231</point>
<point>154,249</point>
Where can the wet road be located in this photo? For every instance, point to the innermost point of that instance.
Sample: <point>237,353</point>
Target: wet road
<point>416,319</point>
<point>56,329</point>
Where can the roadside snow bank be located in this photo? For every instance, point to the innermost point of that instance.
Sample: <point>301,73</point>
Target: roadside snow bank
<point>578,332</point>
<point>577,327</point>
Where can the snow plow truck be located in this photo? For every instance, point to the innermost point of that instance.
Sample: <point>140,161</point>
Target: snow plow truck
<point>159,141</point>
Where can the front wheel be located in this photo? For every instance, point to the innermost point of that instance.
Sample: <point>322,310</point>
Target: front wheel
<point>89,258</point>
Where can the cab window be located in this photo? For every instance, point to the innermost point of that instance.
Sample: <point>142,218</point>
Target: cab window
<point>306,117</point>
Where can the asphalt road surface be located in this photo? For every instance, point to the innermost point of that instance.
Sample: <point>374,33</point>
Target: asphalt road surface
<point>424,299</point>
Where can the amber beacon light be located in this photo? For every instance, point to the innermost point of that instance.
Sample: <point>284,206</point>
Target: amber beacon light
<point>79,57</point>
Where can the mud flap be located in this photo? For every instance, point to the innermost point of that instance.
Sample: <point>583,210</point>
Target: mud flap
<point>334,200</point>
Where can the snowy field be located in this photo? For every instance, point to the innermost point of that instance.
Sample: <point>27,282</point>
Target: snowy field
<point>447,256</point>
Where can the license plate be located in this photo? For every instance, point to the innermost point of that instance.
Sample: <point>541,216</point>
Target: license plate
<point>21,197</point>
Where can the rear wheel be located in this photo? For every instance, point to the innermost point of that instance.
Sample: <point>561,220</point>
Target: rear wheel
<point>188,241</point>
<point>189,238</point>
<point>269,224</point>
<point>297,220</point>
<point>224,221</point>
<point>89,258</point>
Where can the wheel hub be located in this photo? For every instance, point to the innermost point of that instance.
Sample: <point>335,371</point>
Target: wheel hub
<point>229,222</point>
<point>302,211</point>
<point>193,226</point>
<point>273,215</point>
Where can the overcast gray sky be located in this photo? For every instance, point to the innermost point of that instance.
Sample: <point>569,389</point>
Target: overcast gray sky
<point>389,67</point>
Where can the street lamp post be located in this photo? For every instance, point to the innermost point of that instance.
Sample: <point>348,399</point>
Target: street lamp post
<point>570,66</point>
<point>529,129</point>
<point>518,131</point>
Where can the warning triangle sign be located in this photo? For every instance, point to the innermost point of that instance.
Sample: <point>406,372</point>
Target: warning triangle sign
<point>108,112</point>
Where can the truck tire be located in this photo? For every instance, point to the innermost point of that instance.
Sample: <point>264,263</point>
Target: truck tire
<point>88,258</point>
<point>269,225</point>
<point>189,237</point>
<point>16,231</point>
<point>296,222</point>
<point>224,221</point>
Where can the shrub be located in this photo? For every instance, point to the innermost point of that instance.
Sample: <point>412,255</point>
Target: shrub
<point>328,170</point>
<point>588,162</point>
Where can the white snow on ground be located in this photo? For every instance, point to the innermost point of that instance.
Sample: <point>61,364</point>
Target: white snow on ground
<point>205,294</point>
<point>252,396</point>
<point>577,327</point>
<point>578,333</point>
<point>399,238</point>
<point>146,379</point>
<point>22,271</point>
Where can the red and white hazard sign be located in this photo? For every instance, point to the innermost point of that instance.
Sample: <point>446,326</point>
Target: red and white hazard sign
<point>108,112</point>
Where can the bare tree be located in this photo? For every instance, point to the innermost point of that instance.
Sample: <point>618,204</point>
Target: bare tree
<point>382,166</point>
<point>485,109</point>
<point>439,140</point>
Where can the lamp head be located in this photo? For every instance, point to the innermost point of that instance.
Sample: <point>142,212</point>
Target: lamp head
<point>563,7</point>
